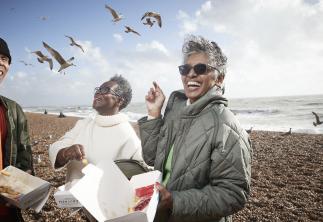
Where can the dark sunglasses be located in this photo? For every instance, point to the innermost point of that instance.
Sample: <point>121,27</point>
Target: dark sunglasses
<point>105,90</point>
<point>199,69</point>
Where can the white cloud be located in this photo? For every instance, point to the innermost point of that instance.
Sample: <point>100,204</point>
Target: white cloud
<point>187,25</point>
<point>273,47</point>
<point>118,38</point>
<point>153,46</point>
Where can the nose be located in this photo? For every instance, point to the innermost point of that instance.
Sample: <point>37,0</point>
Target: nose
<point>191,73</point>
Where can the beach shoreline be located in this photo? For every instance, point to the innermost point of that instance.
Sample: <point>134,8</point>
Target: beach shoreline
<point>286,182</point>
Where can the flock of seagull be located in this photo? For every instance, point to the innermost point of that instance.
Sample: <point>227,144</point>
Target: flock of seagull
<point>148,15</point>
<point>56,55</point>
<point>150,19</point>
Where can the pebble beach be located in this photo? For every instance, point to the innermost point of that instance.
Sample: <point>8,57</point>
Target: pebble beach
<point>286,174</point>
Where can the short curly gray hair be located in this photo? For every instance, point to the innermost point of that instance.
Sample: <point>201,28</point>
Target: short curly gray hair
<point>198,44</point>
<point>123,89</point>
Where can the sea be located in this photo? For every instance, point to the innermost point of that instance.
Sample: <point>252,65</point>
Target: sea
<point>268,114</point>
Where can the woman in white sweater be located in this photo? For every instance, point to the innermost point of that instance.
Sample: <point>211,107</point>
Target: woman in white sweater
<point>107,135</point>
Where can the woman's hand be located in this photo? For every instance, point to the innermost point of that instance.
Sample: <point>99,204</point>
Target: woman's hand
<point>155,100</point>
<point>74,152</point>
<point>165,199</point>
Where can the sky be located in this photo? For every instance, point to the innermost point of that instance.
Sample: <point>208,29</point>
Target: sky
<point>274,47</point>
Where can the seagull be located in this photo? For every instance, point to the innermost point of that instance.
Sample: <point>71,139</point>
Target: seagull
<point>116,17</point>
<point>74,43</point>
<point>149,22</point>
<point>249,130</point>
<point>288,133</point>
<point>154,15</point>
<point>37,159</point>
<point>128,29</point>
<point>64,63</point>
<point>44,18</point>
<point>41,58</point>
<point>318,122</point>
<point>25,63</point>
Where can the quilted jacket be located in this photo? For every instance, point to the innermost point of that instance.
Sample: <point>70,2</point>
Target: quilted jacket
<point>211,164</point>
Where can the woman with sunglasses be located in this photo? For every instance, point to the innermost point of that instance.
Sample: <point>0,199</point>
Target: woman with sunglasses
<point>105,135</point>
<point>198,145</point>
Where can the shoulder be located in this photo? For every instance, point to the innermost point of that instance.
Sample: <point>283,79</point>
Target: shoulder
<point>12,105</point>
<point>9,102</point>
<point>226,119</point>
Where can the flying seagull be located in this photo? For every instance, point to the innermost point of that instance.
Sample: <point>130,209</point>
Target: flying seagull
<point>74,43</point>
<point>116,17</point>
<point>41,58</point>
<point>154,15</point>
<point>64,63</point>
<point>318,122</point>
<point>149,22</point>
<point>128,29</point>
<point>25,63</point>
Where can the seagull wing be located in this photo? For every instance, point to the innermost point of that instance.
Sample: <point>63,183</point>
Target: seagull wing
<point>112,11</point>
<point>23,62</point>
<point>146,14</point>
<point>55,54</point>
<point>50,61</point>
<point>135,32</point>
<point>128,29</point>
<point>72,40</point>
<point>316,117</point>
<point>78,45</point>
<point>39,53</point>
<point>157,16</point>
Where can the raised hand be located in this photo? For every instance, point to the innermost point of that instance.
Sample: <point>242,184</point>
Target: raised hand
<point>155,100</point>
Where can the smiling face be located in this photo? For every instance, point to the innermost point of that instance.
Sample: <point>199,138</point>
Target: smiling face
<point>195,85</point>
<point>107,103</point>
<point>4,66</point>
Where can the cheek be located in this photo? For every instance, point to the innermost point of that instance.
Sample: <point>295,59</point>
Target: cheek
<point>183,79</point>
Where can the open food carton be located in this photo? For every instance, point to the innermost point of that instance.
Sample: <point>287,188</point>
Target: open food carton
<point>62,195</point>
<point>64,198</point>
<point>109,196</point>
<point>22,189</point>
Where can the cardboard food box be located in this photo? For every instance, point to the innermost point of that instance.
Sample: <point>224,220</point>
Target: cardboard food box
<point>32,192</point>
<point>64,198</point>
<point>107,194</point>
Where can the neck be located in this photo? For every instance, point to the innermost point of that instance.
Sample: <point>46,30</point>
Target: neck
<point>108,112</point>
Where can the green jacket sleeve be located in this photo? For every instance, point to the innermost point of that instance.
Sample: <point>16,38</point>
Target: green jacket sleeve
<point>149,134</point>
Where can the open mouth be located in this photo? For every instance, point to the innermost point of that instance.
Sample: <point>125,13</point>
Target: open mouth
<point>193,85</point>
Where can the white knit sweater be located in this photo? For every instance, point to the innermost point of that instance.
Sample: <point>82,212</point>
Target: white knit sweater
<point>103,137</point>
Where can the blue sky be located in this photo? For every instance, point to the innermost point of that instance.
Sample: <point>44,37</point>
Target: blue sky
<point>274,48</point>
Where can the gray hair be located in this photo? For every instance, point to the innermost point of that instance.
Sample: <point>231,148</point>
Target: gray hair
<point>198,44</point>
<point>123,89</point>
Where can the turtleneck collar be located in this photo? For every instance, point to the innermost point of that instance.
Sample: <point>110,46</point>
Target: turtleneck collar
<point>106,121</point>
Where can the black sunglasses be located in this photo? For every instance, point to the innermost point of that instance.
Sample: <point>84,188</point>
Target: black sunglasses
<point>199,69</point>
<point>105,90</point>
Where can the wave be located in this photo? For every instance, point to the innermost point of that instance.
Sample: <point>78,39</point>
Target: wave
<point>255,111</point>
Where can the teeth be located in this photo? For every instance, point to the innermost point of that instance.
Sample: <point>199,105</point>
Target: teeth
<point>191,83</point>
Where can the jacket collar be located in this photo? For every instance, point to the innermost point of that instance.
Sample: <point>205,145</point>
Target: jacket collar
<point>210,98</point>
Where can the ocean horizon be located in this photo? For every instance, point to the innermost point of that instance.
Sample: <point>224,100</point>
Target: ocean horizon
<point>266,113</point>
